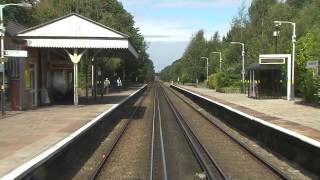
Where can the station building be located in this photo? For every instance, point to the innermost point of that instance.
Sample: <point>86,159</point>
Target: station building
<point>54,48</point>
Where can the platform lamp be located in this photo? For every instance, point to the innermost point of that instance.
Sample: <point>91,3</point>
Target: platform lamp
<point>220,58</point>
<point>276,34</point>
<point>243,70</point>
<point>294,36</point>
<point>2,31</point>
<point>207,66</point>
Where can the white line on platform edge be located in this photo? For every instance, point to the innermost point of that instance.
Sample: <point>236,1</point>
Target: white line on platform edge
<point>33,163</point>
<point>306,139</point>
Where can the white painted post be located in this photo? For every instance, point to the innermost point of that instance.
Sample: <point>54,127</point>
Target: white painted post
<point>220,61</point>
<point>207,70</point>
<point>243,70</point>
<point>250,83</point>
<point>3,96</point>
<point>75,83</point>
<point>75,58</point>
<point>289,80</point>
<point>293,58</point>
<point>92,74</point>
<point>253,85</point>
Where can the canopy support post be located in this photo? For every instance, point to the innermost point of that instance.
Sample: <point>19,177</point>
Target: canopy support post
<point>75,58</point>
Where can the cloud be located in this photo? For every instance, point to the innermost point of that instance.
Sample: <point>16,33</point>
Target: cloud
<point>168,25</point>
<point>176,28</point>
<point>196,4</point>
<point>135,2</point>
<point>181,3</point>
<point>164,53</point>
<point>177,20</point>
<point>165,29</point>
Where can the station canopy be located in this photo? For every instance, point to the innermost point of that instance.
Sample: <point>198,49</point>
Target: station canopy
<point>74,31</point>
<point>76,34</point>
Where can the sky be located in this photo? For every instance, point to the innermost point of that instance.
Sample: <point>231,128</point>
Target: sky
<point>168,25</point>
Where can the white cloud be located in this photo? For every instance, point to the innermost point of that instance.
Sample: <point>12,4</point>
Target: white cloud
<point>164,30</point>
<point>176,28</point>
<point>196,4</point>
<point>182,3</point>
<point>164,53</point>
<point>169,34</point>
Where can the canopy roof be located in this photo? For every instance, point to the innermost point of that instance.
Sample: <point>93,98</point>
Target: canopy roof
<point>256,66</point>
<point>76,31</point>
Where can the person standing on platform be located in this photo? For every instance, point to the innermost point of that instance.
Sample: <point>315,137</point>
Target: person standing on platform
<point>106,85</point>
<point>119,84</point>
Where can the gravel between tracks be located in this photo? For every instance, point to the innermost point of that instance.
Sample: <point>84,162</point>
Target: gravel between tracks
<point>287,167</point>
<point>233,159</point>
<point>92,163</point>
<point>130,158</point>
<point>181,162</point>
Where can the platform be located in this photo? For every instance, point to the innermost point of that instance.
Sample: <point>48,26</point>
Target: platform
<point>291,115</point>
<point>24,135</point>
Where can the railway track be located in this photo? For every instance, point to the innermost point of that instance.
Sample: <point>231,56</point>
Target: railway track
<point>207,162</point>
<point>158,167</point>
<point>162,158</point>
<point>277,173</point>
<point>102,163</point>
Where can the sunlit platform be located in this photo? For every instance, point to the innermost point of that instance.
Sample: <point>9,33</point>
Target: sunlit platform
<point>25,135</point>
<point>292,115</point>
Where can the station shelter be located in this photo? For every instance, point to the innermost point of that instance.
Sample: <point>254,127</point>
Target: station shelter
<point>264,81</point>
<point>54,50</point>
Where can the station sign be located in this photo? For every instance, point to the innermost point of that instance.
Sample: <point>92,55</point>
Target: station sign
<point>15,53</point>
<point>312,64</point>
<point>273,58</point>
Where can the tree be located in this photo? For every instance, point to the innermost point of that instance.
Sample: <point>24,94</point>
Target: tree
<point>255,28</point>
<point>193,54</point>
<point>108,12</point>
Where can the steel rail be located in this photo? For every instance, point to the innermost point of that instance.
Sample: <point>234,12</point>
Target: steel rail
<point>164,165</point>
<point>152,137</point>
<point>157,135</point>
<point>243,145</point>
<point>206,160</point>
<point>115,142</point>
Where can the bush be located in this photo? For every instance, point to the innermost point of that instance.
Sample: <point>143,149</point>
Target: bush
<point>221,80</point>
<point>212,81</point>
<point>309,88</point>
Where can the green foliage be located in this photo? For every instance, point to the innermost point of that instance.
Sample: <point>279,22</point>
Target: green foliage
<point>108,12</point>
<point>254,27</point>
<point>221,80</point>
<point>307,49</point>
<point>212,81</point>
<point>309,87</point>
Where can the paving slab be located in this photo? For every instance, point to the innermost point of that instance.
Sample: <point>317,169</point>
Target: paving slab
<point>291,115</point>
<point>24,135</point>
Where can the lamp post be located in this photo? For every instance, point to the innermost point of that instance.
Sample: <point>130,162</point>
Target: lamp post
<point>276,34</point>
<point>243,70</point>
<point>220,58</point>
<point>293,52</point>
<point>2,32</point>
<point>207,67</point>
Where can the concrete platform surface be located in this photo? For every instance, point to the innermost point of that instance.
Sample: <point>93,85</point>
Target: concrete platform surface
<point>291,115</point>
<point>24,135</point>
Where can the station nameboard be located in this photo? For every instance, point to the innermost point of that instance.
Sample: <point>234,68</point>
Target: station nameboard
<point>312,64</point>
<point>273,58</point>
<point>15,53</point>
